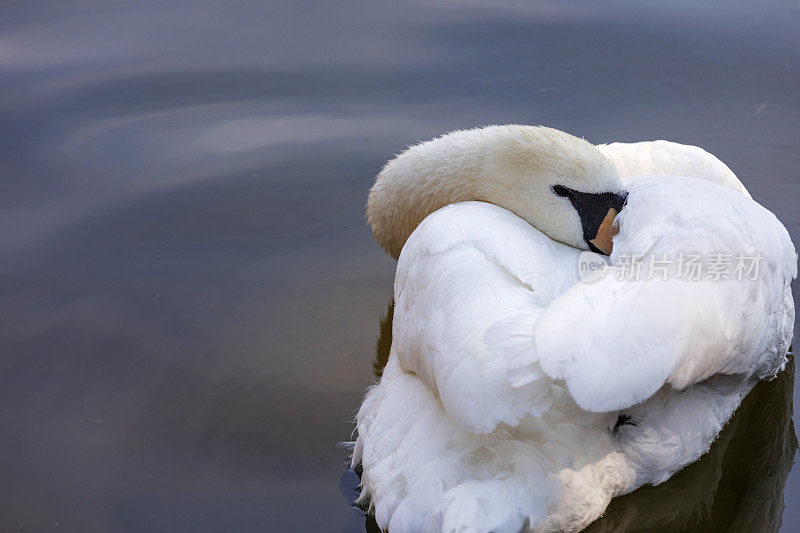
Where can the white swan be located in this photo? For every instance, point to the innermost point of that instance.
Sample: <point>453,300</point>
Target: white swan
<point>517,397</point>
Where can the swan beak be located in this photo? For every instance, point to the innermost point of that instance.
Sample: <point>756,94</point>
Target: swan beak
<point>597,212</point>
<point>605,232</point>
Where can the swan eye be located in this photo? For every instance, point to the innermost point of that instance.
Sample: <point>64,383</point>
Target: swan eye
<point>560,190</point>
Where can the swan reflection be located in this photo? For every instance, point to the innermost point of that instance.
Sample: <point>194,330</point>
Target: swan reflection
<point>736,486</point>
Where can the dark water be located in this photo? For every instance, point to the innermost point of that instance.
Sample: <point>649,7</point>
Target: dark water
<point>189,299</point>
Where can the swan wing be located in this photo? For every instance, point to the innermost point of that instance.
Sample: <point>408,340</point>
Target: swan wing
<point>669,158</point>
<point>616,341</point>
<point>465,267</point>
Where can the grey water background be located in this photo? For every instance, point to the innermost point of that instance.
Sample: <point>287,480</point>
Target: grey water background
<point>189,297</point>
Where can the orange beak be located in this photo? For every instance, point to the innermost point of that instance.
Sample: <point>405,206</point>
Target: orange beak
<point>605,232</point>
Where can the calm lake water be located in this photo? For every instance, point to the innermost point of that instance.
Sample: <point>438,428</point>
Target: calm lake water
<point>189,298</point>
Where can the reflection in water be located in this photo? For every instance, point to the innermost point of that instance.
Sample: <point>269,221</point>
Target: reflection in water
<point>736,486</point>
<point>384,341</point>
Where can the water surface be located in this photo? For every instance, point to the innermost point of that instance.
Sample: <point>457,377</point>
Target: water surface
<point>189,298</point>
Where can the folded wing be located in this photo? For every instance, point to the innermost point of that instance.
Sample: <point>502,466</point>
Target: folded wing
<point>466,267</point>
<point>617,341</point>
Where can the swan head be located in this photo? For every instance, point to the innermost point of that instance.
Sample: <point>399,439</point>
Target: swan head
<point>560,184</point>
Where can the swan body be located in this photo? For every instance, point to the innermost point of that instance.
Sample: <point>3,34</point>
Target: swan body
<point>518,397</point>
